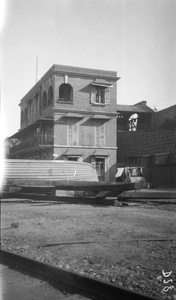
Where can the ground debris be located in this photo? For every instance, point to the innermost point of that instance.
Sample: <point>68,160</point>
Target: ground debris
<point>134,265</point>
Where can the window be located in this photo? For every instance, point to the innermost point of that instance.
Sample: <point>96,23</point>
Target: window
<point>65,93</point>
<point>50,94</point>
<point>26,113</point>
<point>99,133</point>
<point>134,160</point>
<point>73,158</point>
<point>36,97</point>
<point>100,95</point>
<point>132,122</point>
<point>72,134</point>
<point>44,99</point>
<point>30,108</point>
<point>37,104</point>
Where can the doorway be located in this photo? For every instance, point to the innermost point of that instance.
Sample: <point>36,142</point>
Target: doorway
<point>72,158</point>
<point>100,168</point>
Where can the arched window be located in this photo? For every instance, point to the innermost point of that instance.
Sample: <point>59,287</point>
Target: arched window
<point>50,94</point>
<point>132,122</point>
<point>22,116</point>
<point>26,113</point>
<point>66,92</point>
<point>37,101</point>
<point>44,99</point>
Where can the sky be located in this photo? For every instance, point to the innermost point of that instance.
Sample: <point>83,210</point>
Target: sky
<point>136,38</point>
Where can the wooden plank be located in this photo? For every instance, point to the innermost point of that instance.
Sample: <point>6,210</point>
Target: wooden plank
<point>102,194</point>
<point>95,186</point>
<point>73,200</point>
<point>73,186</point>
<point>149,194</point>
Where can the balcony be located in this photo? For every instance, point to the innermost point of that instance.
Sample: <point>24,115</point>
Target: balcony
<point>36,142</point>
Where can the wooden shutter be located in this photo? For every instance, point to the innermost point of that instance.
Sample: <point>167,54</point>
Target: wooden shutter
<point>107,96</point>
<point>93,95</point>
<point>93,162</point>
<point>97,135</point>
<point>97,132</point>
<point>69,134</point>
<point>72,134</point>
<point>75,134</point>
<point>102,135</point>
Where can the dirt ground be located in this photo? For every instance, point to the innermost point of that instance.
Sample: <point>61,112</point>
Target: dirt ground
<point>108,243</point>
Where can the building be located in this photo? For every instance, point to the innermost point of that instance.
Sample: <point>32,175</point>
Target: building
<point>70,114</point>
<point>147,139</point>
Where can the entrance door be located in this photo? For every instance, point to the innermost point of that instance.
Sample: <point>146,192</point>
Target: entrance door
<point>100,168</point>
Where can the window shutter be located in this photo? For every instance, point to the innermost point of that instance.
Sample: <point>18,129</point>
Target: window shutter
<point>75,134</point>
<point>97,135</point>
<point>93,162</point>
<point>102,135</point>
<point>93,95</point>
<point>107,96</point>
<point>70,134</point>
<point>97,132</point>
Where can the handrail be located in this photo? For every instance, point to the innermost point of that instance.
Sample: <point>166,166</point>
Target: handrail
<point>33,142</point>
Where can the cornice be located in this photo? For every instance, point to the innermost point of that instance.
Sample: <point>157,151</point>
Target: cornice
<point>84,112</point>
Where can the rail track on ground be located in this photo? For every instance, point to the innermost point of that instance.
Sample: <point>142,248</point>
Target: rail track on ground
<point>92,288</point>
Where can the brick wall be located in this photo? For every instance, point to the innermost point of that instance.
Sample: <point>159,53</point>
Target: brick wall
<point>91,129</point>
<point>140,143</point>
<point>161,175</point>
<point>161,117</point>
<point>86,132</point>
<point>81,94</point>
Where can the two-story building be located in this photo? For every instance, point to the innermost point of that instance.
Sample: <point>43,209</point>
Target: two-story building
<point>70,114</point>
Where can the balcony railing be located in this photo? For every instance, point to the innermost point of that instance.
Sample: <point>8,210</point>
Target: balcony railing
<point>33,142</point>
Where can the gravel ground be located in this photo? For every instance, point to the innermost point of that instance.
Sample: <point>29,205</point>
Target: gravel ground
<point>102,242</point>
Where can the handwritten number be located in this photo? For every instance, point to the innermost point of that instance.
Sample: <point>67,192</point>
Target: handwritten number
<point>166,274</point>
<point>166,288</point>
<point>167,281</point>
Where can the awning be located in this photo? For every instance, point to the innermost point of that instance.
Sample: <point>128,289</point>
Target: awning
<point>100,153</point>
<point>73,152</point>
<point>47,120</point>
<point>119,172</point>
<point>156,158</point>
<point>102,117</point>
<point>73,115</point>
<point>23,131</point>
<point>102,82</point>
<point>161,158</point>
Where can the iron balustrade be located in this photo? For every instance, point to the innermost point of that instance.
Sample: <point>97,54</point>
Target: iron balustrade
<point>33,142</point>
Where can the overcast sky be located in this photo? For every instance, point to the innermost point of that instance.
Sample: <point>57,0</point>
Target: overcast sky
<point>136,38</point>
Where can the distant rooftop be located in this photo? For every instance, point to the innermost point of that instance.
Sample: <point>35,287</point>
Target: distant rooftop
<point>136,108</point>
